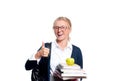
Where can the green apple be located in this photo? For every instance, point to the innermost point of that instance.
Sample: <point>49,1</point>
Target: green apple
<point>70,61</point>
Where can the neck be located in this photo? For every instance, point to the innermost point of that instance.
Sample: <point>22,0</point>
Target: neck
<point>62,44</point>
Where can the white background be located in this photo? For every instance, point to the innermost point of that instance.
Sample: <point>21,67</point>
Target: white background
<point>24,24</point>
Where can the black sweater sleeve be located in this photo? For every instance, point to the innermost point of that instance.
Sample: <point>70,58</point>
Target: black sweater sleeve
<point>30,64</point>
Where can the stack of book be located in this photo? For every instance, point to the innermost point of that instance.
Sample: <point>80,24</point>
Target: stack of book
<point>70,72</point>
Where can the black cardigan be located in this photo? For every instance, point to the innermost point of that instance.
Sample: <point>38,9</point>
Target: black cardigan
<point>44,64</point>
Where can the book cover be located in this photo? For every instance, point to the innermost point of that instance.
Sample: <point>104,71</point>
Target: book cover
<point>73,75</point>
<point>73,71</point>
<point>65,66</point>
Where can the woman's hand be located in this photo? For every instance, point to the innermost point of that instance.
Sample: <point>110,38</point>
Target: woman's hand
<point>43,52</point>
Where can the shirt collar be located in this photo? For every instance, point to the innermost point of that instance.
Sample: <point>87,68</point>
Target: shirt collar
<point>69,45</point>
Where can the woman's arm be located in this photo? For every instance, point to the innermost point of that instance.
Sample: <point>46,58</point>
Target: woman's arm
<point>30,64</point>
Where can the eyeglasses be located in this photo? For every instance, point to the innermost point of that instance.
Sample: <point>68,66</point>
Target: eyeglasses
<point>60,27</point>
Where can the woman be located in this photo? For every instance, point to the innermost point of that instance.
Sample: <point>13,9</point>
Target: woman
<point>51,54</point>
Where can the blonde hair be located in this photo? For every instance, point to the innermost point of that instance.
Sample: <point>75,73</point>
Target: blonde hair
<point>64,19</point>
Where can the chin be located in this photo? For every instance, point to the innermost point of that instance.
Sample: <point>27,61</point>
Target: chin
<point>59,39</point>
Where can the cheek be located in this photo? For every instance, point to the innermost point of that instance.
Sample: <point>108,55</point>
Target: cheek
<point>67,32</point>
<point>55,32</point>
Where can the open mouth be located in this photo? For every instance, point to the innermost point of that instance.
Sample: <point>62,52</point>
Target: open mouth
<point>59,34</point>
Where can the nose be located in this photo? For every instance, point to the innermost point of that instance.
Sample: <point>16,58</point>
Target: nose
<point>59,29</point>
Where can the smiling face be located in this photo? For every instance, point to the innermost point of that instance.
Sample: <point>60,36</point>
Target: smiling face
<point>62,30</point>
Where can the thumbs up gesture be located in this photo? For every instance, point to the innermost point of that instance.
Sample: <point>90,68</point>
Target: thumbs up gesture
<point>43,52</point>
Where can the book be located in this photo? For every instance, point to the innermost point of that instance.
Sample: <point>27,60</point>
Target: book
<point>65,66</point>
<point>70,72</point>
<point>70,76</point>
<point>73,75</point>
<point>76,71</point>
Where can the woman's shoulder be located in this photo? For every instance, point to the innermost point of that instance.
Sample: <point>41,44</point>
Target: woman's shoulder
<point>75,46</point>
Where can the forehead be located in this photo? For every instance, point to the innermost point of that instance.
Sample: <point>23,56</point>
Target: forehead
<point>61,23</point>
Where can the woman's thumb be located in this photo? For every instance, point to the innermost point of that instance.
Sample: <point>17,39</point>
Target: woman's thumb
<point>43,44</point>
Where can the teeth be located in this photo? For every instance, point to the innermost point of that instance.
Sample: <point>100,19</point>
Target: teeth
<point>59,35</point>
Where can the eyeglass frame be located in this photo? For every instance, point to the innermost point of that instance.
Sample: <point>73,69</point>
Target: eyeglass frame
<point>61,27</point>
